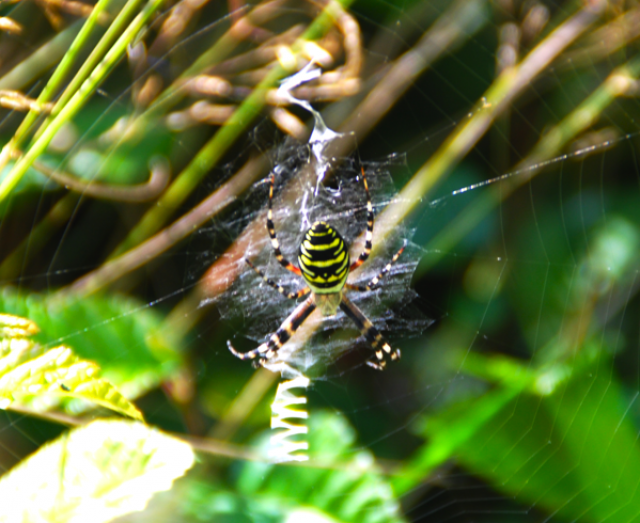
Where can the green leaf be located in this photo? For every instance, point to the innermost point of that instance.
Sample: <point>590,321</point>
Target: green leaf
<point>450,431</point>
<point>123,336</point>
<point>94,473</point>
<point>348,486</point>
<point>576,452</point>
<point>570,449</point>
<point>338,484</point>
<point>29,370</point>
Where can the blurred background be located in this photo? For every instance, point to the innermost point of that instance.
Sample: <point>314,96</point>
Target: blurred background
<point>499,139</point>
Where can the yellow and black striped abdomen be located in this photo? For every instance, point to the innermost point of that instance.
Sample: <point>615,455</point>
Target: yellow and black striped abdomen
<point>323,259</point>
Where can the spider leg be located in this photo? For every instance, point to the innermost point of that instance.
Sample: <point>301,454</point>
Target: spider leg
<point>368,236</point>
<point>374,282</point>
<point>272,233</point>
<point>279,288</point>
<point>270,347</point>
<point>373,336</point>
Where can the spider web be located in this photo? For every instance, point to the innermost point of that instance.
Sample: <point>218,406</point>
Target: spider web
<point>519,403</point>
<point>344,206</point>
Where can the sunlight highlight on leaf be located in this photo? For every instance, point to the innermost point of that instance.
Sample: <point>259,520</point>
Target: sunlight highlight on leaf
<point>94,473</point>
<point>122,335</point>
<point>27,369</point>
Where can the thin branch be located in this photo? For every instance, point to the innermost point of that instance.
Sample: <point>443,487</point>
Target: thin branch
<point>170,236</point>
<point>149,190</point>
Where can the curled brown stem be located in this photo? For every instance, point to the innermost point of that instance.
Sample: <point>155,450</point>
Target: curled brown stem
<point>235,78</point>
<point>143,192</point>
<point>499,97</point>
<point>71,7</point>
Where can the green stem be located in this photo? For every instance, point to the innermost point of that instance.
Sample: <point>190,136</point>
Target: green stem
<point>497,99</point>
<point>218,145</point>
<point>77,101</point>
<point>208,156</point>
<point>61,72</point>
<point>100,50</point>
<point>551,144</point>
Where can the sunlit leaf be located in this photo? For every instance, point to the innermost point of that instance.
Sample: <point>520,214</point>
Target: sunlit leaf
<point>94,473</point>
<point>28,369</point>
<point>123,336</point>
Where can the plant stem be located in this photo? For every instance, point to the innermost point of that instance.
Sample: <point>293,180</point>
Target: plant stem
<point>77,101</point>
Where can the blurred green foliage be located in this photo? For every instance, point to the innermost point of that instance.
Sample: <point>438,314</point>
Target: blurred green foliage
<point>518,404</point>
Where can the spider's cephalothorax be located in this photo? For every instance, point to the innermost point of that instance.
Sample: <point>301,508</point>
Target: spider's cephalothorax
<point>324,263</point>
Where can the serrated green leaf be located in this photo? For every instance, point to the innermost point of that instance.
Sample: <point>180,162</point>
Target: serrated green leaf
<point>29,370</point>
<point>123,336</point>
<point>94,473</point>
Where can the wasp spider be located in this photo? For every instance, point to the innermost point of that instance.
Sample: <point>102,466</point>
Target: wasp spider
<point>324,263</point>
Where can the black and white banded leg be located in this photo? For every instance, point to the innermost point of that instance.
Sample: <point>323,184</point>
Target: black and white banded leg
<point>271,229</point>
<point>291,295</point>
<point>368,235</point>
<point>382,349</point>
<point>374,282</point>
<point>270,347</point>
